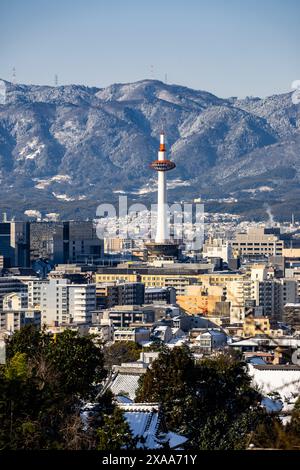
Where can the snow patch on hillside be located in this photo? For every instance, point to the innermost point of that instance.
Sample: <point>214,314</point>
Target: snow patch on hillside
<point>167,96</point>
<point>262,189</point>
<point>44,183</point>
<point>34,214</point>
<point>31,150</point>
<point>65,197</point>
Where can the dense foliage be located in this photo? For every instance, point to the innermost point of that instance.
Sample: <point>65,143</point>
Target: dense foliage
<point>42,387</point>
<point>211,401</point>
<point>122,351</point>
<point>49,379</point>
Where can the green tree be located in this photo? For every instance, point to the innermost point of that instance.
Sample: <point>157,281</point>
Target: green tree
<point>28,340</point>
<point>78,360</point>
<point>41,391</point>
<point>115,433</point>
<point>169,381</point>
<point>17,368</point>
<point>122,351</point>
<point>210,401</point>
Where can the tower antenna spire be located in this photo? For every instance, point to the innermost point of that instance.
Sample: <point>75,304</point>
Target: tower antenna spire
<point>14,76</point>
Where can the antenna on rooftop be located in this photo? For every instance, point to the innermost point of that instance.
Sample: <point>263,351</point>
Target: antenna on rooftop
<point>152,72</point>
<point>14,77</point>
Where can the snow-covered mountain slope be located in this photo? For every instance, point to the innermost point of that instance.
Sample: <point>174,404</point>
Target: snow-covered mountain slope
<point>88,144</point>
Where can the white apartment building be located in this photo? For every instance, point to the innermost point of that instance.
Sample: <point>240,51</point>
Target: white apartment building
<point>63,302</point>
<point>235,293</point>
<point>15,301</point>
<point>34,286</point>
<point>12,321</point>
<point>217,248</point>
<point>82,301</point>
<point>10,284</point>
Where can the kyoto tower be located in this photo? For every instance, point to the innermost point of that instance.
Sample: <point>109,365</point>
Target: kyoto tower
<point>162,165</point>
<point>162,246</point>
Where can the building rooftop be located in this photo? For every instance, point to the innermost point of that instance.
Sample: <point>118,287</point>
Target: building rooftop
<point>125,384</point>
<point>146,421</point>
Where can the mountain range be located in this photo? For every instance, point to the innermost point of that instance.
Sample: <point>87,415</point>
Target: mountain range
<point>66,149</point>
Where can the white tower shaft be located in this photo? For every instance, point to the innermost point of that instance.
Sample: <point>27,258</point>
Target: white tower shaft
<point>162,228</point>
<point>162,232</point>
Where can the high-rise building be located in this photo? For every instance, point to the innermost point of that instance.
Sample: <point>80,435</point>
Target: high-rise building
<point>63,302</point>
<point>42,236</point>
<point>78,244</point>
<point>14,243</point>
<point>33,288</point>
<point>109,294</point>
<point>15,301</point>
<point>66,242</point>
<point>273,294</point>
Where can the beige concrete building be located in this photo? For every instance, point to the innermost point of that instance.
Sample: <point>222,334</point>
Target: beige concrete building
<point>291,252</point>
<point>254,326</point>
<point>206,301</point>
<point>257,242</point>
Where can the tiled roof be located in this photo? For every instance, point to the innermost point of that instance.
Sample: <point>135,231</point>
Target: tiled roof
<point>125,383</point>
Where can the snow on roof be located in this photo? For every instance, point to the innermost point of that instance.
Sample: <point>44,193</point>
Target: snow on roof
<point>144,423</point>
<point>210,333</point>
<point>146,344</point>
<point>176,342</point>
<point>213,333</point>
<point>264,340</point>
<point>256,360</point>
<point>178,331</point>
<point>284,380</point>
<point>123,399</point>
<point>161,328</point>
<point>125,383</point>
<point>272,406</point>
<point>175,440</point>
<point>245,342</point>
<point>144,420</point>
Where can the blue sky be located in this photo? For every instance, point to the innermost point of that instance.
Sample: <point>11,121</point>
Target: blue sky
<point>228,47</point>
